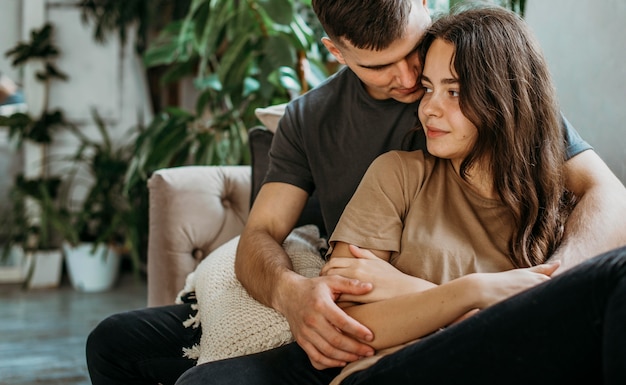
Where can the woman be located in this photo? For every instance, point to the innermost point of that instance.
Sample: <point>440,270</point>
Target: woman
<point>473,215</point>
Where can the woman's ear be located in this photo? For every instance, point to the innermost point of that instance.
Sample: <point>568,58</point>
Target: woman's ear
<point>332,48</point>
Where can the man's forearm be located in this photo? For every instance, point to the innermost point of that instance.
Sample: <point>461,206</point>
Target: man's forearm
<point>259,265</point>
<point>597,224</point>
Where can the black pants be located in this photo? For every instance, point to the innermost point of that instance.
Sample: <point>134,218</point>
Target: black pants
<point>141,346</point>
<point>571,329</point>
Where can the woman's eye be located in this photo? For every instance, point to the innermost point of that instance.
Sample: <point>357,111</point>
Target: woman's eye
<point>454,93</point>
<point>427,89</point>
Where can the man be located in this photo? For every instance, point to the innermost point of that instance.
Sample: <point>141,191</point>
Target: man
<point>325,142</point>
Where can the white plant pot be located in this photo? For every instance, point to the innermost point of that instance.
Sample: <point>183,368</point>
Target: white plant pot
<point>16,267</point>
<point>46,270</point>
<point>91,272</point>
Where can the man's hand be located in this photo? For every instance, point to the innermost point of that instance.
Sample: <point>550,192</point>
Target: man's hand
<point>365,266</point>
<point>325,332</point>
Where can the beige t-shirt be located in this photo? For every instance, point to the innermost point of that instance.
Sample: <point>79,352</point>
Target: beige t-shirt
<point>435,225</point>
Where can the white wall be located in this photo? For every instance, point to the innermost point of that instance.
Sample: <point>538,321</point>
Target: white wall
<point>106,77</point>
<point>10,20</point>
<point>584,42</point>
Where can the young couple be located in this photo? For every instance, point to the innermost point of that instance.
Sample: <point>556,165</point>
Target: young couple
<point>441,232</point>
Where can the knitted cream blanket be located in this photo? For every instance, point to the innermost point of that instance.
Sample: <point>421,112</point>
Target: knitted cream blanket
<point>233,323</point>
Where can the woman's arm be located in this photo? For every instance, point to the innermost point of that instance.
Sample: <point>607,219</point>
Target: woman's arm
<point>403,318</point>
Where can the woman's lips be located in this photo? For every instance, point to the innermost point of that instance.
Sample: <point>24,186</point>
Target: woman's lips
<point>432,132</point>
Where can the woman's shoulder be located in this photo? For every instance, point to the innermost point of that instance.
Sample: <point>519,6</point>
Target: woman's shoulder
<point>407,166</point>
<point>409,158</point>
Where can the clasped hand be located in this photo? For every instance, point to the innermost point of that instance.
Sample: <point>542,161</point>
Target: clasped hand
<point>327,334</point>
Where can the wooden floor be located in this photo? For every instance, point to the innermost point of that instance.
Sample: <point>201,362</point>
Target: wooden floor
<point>43,332</point>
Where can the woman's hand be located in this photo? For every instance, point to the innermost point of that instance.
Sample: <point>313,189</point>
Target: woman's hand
<point>495,287</point>
<point>365,266</point>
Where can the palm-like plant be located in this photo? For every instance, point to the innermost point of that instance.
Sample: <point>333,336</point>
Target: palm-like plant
<point>102,215</point>
<point>243,55</point>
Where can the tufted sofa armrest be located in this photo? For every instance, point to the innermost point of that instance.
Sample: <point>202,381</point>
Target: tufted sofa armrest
<point>193,210</point>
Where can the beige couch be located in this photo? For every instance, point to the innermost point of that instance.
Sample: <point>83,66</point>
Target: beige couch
<point>193,210</point>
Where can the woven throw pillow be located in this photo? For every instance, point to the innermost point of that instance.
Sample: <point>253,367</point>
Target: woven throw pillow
<point>233,323</point>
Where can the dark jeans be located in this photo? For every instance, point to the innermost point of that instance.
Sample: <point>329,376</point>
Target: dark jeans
<point>571,329</point>
<point>141,346</point>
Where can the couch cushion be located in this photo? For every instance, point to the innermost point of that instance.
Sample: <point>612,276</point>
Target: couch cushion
<point>260,140</point>
<point>270,116</point>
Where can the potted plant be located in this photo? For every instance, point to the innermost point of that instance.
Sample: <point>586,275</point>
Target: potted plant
<point>14,262</point>
<point>95,233</point>
<point>37,193</point>
<point>34,232</point>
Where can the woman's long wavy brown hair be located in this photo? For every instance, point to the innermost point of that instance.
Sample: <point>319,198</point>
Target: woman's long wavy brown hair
<point>507,92</point>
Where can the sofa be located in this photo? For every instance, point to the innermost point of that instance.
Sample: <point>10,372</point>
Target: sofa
<point>195,209</point>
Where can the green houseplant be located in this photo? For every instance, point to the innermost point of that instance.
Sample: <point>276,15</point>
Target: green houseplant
<point>34,216</point>
<point>99,217</point>
<point>41,127</point>
<point>37,193</point>
<point>61,217</point>
<point>240,55</point>
<point>95,226</point>
<point>25,238</point>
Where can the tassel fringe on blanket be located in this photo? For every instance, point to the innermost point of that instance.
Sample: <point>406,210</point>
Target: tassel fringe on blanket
<point>233,323</point>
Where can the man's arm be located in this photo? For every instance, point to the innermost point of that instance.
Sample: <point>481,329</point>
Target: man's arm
<point>598,222</point>
<point>266,272</point>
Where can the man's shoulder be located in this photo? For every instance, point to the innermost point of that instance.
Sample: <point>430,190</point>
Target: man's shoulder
<point>329,91</point>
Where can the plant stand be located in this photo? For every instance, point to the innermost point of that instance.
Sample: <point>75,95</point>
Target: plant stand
<point>47,267</point>
<point>92,272</point>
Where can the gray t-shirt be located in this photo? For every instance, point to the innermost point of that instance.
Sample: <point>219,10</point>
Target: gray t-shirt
<point>329,136</point>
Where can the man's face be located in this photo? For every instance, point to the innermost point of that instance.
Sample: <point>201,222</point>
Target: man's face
<point>394,72</point>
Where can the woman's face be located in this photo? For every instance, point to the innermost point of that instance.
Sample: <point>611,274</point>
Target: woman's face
<point>449,134</point>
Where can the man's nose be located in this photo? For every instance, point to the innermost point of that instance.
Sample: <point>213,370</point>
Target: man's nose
<point>407,74</point>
